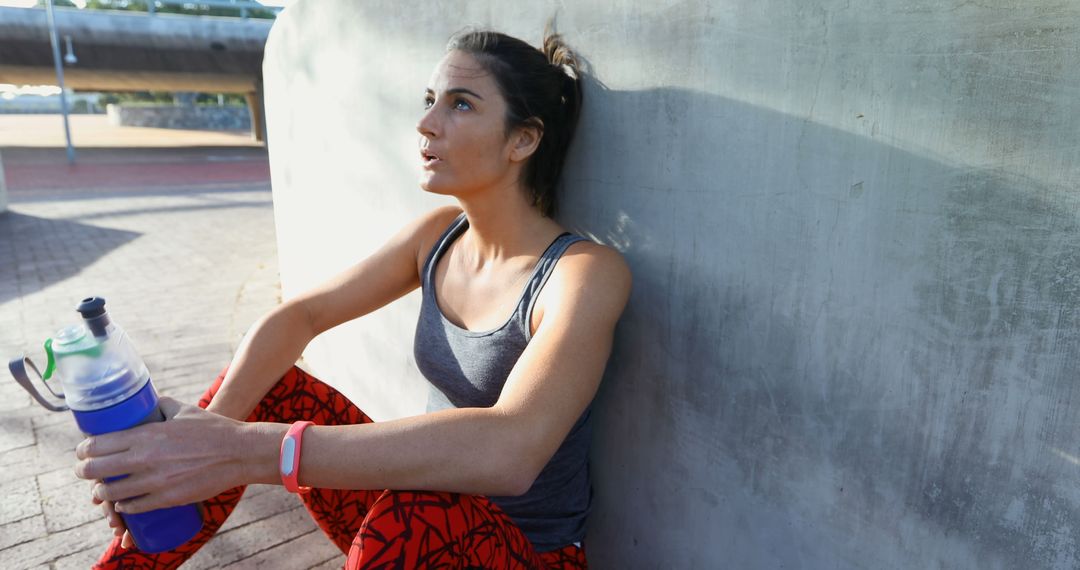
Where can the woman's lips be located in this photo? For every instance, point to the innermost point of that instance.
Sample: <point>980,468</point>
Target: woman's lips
<point>429,159</point>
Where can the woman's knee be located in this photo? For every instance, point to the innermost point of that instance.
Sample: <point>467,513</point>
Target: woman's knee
<point>394,525</point>
<point>298,395</point>
<point>434,526</point>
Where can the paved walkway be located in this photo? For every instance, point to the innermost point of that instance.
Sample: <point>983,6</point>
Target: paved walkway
<point>187,262</point>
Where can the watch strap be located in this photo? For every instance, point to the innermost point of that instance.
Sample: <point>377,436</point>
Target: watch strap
<point>289,459</point>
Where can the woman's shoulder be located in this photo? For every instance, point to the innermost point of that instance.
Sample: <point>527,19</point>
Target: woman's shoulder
<point>594,258</point>
<point>429,227</point>
<point>590,281</point>
<point>588,265</point>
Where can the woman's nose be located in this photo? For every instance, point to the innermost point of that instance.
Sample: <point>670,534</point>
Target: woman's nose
<point>427,125</point>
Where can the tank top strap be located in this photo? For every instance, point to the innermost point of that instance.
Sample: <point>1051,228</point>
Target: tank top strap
<point>456,228</point>
<point>544,268</point>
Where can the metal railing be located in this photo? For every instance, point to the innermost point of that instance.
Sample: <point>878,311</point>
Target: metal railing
<point>242,5</point>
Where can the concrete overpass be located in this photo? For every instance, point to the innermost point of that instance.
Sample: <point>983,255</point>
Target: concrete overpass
<point>136,51</point>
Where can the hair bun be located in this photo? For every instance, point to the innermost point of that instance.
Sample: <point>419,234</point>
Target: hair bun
<point>559,54</point>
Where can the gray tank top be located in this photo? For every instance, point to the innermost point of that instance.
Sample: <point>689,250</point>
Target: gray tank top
<point>467,369</point>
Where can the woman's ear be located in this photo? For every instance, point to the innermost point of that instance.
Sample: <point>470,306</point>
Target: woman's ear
<point>526,139</point>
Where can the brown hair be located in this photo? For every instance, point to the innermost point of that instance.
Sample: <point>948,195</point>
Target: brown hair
<point>542,88</point>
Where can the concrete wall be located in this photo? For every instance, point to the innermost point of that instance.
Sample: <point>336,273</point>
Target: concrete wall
<point>854,231</point>
<point>211,117</point>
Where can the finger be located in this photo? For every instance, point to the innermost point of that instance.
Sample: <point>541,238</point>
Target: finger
<point>127,542</point>
<point>170,407</point>
<point>111,515</point>
<point>136,505</point>
<point>144,502</point>
<point>94,499</point>
<point>123,489</point>
<point>103,444</point>
<point>100,468</point>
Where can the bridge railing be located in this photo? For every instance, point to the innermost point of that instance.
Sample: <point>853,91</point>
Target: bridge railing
<point>244,8</point>
<point>242,5</point>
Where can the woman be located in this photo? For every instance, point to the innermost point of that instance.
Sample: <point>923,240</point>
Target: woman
<point>495,474</point>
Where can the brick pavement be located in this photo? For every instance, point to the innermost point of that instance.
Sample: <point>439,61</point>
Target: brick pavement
<point>186,264</point>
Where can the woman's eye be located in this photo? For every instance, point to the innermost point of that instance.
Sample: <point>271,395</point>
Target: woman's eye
<point>428,102</point>
<point>462,104</point>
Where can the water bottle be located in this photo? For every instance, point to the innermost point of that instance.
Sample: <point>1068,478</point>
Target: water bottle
<point>107,388</point>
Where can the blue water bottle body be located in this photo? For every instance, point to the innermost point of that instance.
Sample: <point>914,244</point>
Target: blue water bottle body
<point>153,531</point>
<point>107,387</point>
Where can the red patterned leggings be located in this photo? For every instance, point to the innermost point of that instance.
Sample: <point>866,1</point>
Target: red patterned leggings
<point>377,529</point>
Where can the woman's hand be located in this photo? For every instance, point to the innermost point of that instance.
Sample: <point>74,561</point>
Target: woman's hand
<point>115,522</point>
<point>193,455</point>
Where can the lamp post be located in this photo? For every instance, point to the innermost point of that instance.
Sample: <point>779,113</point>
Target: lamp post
<point>69,57</point>
<point>60,78</point>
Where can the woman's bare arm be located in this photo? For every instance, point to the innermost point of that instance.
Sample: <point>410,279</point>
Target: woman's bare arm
<point>276,341</point>
<point>490,451</point>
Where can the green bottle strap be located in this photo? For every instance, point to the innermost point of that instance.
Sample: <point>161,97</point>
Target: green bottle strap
<point>50,366</point>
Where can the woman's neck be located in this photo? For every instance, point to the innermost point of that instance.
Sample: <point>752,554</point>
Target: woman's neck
<point>503,225</point>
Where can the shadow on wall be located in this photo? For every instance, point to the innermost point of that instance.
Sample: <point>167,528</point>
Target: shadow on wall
<point>831,342</point>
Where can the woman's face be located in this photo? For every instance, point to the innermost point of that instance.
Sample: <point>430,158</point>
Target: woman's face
<point>463,143</point>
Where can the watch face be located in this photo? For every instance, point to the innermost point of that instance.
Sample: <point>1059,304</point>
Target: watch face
<point>288,455</point>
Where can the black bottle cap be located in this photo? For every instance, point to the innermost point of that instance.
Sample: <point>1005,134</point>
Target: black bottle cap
<point>93,313</point>
<point>91,307</point>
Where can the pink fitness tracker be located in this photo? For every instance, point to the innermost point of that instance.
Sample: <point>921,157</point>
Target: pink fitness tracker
<point>289,464</point>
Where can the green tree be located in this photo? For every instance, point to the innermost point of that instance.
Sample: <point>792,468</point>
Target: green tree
<point>159,97</point>
<point>227,98</point>
<point>167,98</point>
